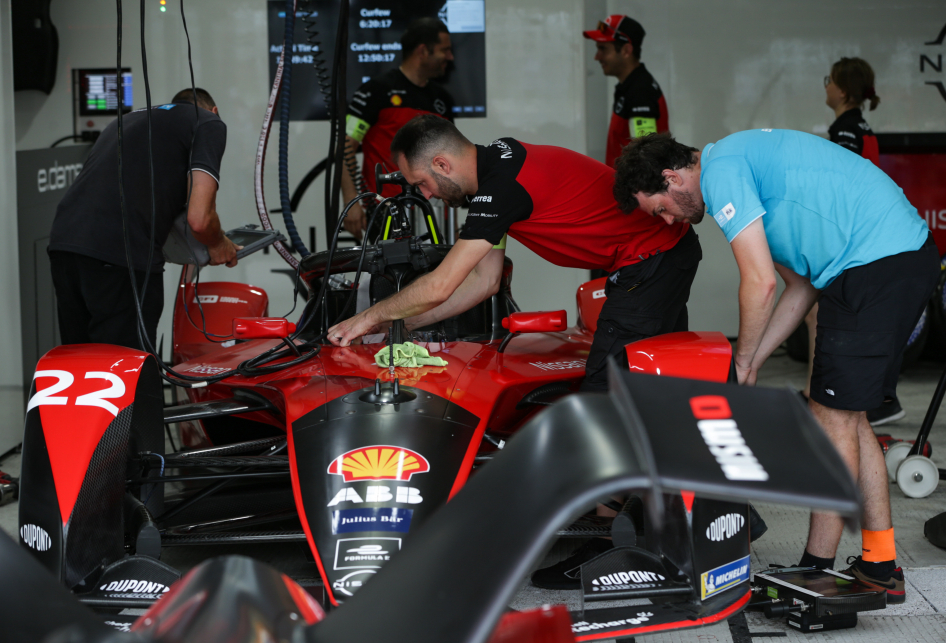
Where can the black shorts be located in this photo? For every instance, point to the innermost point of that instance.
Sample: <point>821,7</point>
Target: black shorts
<point>865,318</point>
<point>643,299</point>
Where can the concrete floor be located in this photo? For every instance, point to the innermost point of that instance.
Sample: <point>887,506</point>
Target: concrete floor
<point>921,618</point>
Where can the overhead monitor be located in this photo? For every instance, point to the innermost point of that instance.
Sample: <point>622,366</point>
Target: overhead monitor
<point>375,29</point>
<point>96,97</point>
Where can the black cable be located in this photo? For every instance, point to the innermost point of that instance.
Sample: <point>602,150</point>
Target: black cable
<point>71,137</point>
<point>336,112</point>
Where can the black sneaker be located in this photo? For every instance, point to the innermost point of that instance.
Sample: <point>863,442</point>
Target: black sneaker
<point>567,574</point>
<point>894,584</point>
<point>888,411</point>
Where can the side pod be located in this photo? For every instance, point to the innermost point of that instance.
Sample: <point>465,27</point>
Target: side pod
<point>91,408</point>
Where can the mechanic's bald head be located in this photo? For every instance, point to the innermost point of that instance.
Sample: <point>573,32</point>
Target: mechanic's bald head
<point>204,99</point>
<point>436,158</point>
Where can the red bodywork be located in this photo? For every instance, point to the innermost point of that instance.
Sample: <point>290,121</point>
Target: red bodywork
<point>489,384</point>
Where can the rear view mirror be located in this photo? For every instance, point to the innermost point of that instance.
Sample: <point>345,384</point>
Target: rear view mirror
<point>545,322</point>
<point>262,328</point>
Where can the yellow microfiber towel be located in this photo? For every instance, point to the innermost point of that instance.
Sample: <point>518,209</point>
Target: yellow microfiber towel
<point>407,355</point>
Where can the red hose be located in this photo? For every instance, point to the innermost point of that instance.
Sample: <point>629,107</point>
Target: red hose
<point>261,161</point>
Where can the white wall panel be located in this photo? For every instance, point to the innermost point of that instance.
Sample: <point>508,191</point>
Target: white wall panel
<point>724,66</point>
<point>727,66</point>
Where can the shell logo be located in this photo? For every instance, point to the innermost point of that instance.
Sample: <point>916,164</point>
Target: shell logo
<point>379,463</point>
<point>396,100</point>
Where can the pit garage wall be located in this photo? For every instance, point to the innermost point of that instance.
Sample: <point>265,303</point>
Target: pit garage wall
<point>724,66</point>
<point>727,66</point>
<point>11,424</point>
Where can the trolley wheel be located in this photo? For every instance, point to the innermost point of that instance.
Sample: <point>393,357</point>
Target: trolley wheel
<point>917,476</point>
<point>896,453</point>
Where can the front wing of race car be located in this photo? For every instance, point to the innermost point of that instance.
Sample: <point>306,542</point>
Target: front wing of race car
<point>656,435</point>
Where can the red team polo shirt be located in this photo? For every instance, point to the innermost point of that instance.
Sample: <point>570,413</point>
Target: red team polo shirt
<point>639,109</point>
<point>381,107</point>
<point>560,204</point>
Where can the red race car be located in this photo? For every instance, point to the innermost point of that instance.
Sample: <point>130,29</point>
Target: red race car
<point>286,438</point>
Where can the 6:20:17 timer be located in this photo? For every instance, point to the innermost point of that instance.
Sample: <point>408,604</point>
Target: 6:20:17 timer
<point>374,24</point>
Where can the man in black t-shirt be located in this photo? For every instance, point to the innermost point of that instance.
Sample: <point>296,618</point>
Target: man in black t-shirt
<point>387,102</point>
<point>87,248</point>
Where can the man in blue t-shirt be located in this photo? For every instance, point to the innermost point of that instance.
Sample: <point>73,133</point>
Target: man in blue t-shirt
<point>838,231</point>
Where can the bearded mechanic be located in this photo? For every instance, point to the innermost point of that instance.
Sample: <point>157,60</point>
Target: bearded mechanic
<point>835,228</point>
<point>556,202</point>
<point>385,103</point>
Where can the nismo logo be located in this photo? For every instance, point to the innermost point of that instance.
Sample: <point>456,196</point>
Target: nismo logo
<point>379,463</point>
<point>725,442</point>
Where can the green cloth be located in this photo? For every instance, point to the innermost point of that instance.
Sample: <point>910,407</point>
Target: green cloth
<point>407,355</point>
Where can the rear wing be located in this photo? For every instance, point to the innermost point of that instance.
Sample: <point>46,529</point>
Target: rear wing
<point>650,433</point>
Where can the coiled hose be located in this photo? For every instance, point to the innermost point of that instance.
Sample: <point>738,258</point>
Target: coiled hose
<point>284,199</point>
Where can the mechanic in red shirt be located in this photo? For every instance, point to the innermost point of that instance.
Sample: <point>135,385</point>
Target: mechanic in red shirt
<point>639,106</point>
<point>383,104</point>
<point>558,203</point>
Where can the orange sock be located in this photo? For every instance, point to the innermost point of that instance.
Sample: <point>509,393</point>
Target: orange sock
<point>878,546</point>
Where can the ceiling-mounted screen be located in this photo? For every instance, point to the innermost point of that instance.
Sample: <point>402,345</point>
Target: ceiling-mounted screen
<point>375,29</point>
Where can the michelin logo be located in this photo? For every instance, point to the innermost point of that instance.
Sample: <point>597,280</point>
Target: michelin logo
<point>724,577</point>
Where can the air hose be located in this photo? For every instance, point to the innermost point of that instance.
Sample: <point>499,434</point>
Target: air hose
<point>284,199</point>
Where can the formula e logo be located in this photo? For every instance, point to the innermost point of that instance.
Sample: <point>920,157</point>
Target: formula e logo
<point>725,527</point>
<point>725,442</point>
<point>348,584</point>
<point>440,106</point>
<point>35,537</point>
<point>379,463</point>
<point>133,586</point>
<point>482,199</point>
<point>364,553</point>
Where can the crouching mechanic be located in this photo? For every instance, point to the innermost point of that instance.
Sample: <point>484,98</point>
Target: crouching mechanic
<point>835,227</point>
<point>559,204</point>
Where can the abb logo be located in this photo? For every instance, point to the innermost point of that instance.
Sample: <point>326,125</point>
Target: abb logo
<point>65,379</point>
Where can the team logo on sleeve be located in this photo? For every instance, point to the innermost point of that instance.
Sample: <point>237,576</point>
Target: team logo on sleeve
<point>725,215</point>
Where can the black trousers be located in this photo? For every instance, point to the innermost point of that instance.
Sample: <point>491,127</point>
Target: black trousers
<point>643,299</point>
<point>96,304</point>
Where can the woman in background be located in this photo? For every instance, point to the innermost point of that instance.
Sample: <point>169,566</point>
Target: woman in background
<point>847,88</point>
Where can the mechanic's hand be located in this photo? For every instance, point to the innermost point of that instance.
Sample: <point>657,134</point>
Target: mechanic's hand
<point>355,222</point>
<point>224,252</point>
<point>344,333</point>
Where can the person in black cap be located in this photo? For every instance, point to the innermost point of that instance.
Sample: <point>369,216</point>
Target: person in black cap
<point>639,106</point>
